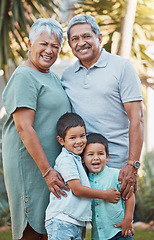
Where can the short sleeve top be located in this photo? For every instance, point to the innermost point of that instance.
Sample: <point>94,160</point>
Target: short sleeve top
<point>106,214</point>
<point>27,190</point>
<point>70,167</point>
<point>98,95</point>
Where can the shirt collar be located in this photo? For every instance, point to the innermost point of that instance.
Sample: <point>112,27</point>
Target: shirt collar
<point>101,62</point>
<point>92,175</point>
<point>64,150</point>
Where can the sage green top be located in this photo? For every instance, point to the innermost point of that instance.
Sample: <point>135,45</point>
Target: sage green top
<point>27,191</point>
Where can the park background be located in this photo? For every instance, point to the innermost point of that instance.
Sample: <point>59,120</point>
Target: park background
<point>127,27</point>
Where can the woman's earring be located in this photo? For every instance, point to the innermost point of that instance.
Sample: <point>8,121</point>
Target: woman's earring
<point>29,52</point>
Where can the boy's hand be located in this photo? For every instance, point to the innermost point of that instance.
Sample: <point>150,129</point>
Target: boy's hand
<point>127,228</point>
<point>112,195</point>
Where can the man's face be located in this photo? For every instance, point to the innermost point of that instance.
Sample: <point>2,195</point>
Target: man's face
<point>84,44</point>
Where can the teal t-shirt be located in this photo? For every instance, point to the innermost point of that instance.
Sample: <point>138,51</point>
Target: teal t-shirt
<point>27,191</point>
<point>105,214</point>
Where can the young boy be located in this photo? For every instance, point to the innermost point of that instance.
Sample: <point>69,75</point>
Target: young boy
<point>66,217</point>
<point>109,221</point>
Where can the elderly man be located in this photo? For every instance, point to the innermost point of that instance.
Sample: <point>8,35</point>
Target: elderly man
<point>106,91</point>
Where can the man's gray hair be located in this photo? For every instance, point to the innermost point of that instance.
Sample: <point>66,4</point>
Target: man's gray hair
<point>48,25</point>
<point>83,18</point>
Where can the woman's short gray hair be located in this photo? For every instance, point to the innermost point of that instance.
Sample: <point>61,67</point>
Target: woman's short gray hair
<point>83,18</point>
<point>48,25</point>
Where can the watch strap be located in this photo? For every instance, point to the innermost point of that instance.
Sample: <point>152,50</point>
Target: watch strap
<point>130,162</point>
<point>135,164</point>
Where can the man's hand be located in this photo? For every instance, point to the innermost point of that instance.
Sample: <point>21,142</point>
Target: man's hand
<point>128,180</point>
<point>55,183</point>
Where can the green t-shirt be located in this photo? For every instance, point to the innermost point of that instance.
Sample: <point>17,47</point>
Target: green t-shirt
<point>27,191</point>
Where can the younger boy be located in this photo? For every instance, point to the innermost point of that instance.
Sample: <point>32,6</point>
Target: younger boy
<point>109,220</point>
<point>66,217</point>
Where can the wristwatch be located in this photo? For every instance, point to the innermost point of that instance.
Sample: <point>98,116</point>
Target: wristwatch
<point>135,164</point>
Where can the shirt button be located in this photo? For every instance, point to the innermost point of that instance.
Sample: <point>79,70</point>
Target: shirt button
<point>100,228</point>
<point>26,199</point>
<point>27,210</point>
<point>95,182</point>
<point>97,215</point>
<point>97,204</point>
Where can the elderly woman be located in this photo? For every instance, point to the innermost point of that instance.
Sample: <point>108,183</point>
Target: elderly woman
<point>34,100</point>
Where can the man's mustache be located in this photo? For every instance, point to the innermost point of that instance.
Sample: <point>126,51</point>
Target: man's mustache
<point>83,47</point>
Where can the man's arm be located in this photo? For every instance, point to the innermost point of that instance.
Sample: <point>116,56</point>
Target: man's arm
<point>79,190</point>
<point>126,224</point>
<point>128,174</point>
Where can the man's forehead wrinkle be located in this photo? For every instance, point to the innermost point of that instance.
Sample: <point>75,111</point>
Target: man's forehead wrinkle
<point>81,34</point>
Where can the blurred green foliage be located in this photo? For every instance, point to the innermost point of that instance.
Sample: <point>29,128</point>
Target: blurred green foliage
<point>145,191</point>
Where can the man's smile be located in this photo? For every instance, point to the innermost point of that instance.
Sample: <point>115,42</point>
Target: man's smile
<point>83,49</point>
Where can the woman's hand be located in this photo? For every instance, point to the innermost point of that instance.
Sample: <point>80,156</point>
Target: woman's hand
<point>55,183</point>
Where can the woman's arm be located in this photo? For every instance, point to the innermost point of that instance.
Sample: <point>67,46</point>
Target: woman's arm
<point>24,120</point>
<point>79,190</point>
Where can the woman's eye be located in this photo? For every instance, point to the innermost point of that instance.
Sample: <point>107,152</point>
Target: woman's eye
<point>86,36</point>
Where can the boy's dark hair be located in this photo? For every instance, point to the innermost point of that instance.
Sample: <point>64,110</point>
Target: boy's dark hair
<point>98,138</point>
<point>67,121</point>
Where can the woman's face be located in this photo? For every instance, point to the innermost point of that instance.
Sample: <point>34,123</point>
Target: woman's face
<point>44,51</point>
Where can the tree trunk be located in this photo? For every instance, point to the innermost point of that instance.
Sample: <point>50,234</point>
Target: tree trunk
<point>127,29</point>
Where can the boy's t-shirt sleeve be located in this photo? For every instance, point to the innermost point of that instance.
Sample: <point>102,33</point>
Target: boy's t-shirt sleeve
<point>67,167</point>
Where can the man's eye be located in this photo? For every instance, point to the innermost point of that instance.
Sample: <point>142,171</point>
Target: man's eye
<point>56,47</point>
<point>74,39</point>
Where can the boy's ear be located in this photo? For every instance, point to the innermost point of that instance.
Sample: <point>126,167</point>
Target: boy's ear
<point>107,157</point>
<point>60,140</point>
